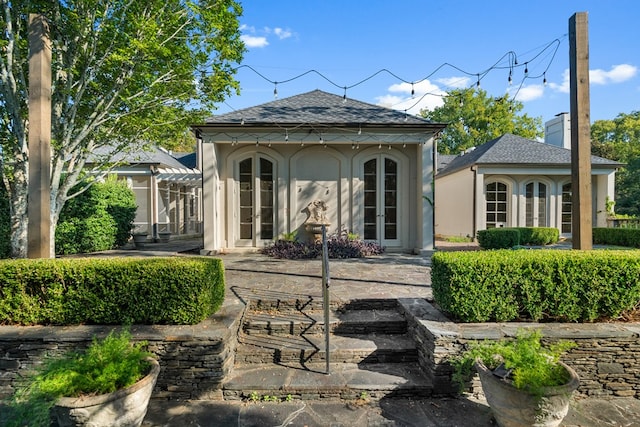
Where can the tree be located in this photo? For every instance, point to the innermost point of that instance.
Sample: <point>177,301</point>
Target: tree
<point>99,219</point>
<point>123,71</point>
<point>474,118</point>
<point>619,139</point>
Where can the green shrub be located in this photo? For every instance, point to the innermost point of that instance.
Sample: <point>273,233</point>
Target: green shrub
<point>107,365</point>
<point>498,238</point>
<point>508,285</point>
<point>629,237</point>
<point>533,366</point>
<point>509,237</point>
<point>538,236</point>
<point>99,219</point>
<point>177,290</point>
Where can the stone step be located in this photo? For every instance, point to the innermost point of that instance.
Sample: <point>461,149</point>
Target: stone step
<point>345,381</point>
<point>276,322</point>
<point>364,348</point>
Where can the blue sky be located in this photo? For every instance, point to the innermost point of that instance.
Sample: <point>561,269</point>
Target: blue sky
<point>348,41</point>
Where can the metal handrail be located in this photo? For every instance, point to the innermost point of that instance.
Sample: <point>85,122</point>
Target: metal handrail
<point>325,293</point>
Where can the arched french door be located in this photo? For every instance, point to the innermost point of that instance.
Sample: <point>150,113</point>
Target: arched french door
<point>536,204</point>
<point>382,201</point>
<point>255,201</point>
<point>566,209</point>
<point>497,214</point>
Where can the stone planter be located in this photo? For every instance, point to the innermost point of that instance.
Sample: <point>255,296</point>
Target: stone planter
<point>164,236</point>
<point>140,239</point>
<point>122,408</point>
<point>514,407</point>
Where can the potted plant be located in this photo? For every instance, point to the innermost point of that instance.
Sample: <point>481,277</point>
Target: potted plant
<point>108,384</point>
<point>523,381</point>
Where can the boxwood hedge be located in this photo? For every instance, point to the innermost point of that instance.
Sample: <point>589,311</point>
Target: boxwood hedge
<point>505,238</point>
<point>617,236</point>
<point>538,285</point>
<point>178,290</point>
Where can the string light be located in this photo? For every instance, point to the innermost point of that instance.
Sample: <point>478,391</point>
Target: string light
<point>242,121</point>
<point>286,135</point>
<point>510,79</point>
<point>513,62</point>
<point>275,90</point>
<point>413,92</point>
<point>257,142</point>
<point>380,147</point>
<point>389,146</point>
<point>526,69</point>
<point>544,79</point>
<point>344,97</point>
<point>359,129</point>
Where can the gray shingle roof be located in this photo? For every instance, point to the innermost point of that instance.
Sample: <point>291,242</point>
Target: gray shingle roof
<point>511,149</point>
<point>152,155</point>
<point>319,107</point>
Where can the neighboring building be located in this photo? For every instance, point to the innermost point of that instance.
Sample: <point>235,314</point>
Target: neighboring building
<point>516,182</point>
<point>265,166</point>
<point>167,189</point>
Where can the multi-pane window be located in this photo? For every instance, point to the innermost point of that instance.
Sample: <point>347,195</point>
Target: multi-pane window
<point>496,209</point>
<point>566,208</point>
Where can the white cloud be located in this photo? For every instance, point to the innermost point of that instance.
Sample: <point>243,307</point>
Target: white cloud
<point>617,74</point>
<point>528,93</point>
<point>253,41</point>
<point>426,96</point>
<point>454,82</point>
<point>281,33</point>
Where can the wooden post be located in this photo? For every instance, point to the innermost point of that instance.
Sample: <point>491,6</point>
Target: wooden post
<point>38,199</point>
<point>582,214</point>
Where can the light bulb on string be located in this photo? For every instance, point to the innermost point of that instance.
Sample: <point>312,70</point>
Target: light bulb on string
<point>359,129</point>
<point>353,146</point>
<point>242,121</point>
<point>413,92</point>
<point>269,144</point>
<point>404,145</point>
<point>544,78</point>
<point>344,96</point>
<point>357,145</point>
<point>405,116</point>
<point>478,82</point>
<point>379,146</point>
<point>275,90</point>
<point>257,142</point>
<point>389,146</point>
<point>526,69</point>
<point>286,135</point>
<point>510,79</point>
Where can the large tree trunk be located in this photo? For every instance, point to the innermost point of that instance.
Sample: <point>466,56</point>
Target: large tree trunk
<point>18,205</point>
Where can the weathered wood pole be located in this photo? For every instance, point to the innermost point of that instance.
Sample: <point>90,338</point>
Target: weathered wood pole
<point>38,199</point>
<point>581,229</point>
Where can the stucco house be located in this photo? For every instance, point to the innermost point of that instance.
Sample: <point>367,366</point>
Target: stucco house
<point>167,187</point>
<point>265,168</point>
<point>516,182</point>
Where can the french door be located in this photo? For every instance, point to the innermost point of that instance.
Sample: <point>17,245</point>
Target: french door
<point>381,201</point>
<point>256,201</point>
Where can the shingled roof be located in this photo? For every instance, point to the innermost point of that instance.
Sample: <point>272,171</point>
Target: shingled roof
<point>509,150</point>
<point>321,108</point>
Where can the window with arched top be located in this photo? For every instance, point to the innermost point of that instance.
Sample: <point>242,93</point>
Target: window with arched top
<point>496,204</point>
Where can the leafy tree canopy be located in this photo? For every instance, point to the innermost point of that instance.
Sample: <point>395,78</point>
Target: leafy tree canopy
<point>474,118</point>
<point>123,71</point>
<point>619,139</point>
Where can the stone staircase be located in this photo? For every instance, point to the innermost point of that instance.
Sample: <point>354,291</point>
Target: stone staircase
<point>281,352</point>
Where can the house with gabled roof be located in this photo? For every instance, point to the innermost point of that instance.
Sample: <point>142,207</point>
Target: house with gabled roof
<point>167,187</point>
<point>266,169</point>
<point>516,182</point>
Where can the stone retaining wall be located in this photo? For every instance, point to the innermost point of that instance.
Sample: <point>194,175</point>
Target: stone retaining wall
<point>607,357</point>
<point>194,360</point>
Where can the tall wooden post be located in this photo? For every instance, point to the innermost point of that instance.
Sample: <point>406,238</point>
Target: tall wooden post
<point>38,199</point>
<point>582,214</point>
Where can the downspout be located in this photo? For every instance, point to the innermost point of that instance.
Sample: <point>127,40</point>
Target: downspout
<point>475,203</point>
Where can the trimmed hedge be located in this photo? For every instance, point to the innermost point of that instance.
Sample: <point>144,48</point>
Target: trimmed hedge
<point>509,237</point>
<point>498,238</point>
<point>617,236</point>
<point>564,286</point>
<point>182,290</point>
